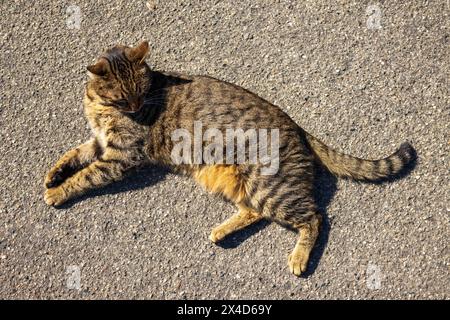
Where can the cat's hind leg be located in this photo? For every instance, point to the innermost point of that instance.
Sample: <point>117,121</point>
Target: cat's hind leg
<point>230,182</point>
<point>288,198</point>
<point>298,211</point>
<point>309,231</point>
<point>238,221</point>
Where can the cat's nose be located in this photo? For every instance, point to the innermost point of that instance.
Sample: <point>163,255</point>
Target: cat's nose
<point>135,104</point>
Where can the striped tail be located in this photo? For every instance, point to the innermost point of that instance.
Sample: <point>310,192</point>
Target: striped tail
<point>343,165</point>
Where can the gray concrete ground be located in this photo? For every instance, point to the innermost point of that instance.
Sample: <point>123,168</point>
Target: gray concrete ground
<point>362,81</point>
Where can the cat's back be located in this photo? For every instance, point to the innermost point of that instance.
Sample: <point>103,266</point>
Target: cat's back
<point>221,104</point>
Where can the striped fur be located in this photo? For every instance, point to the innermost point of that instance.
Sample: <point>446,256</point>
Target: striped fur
<point>347,166</point>
<point>133,111</point>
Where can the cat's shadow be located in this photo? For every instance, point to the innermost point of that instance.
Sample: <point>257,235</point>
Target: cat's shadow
<point>325,188</point>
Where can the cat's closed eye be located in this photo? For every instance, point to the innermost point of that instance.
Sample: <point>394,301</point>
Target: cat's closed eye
<point>122,103</point>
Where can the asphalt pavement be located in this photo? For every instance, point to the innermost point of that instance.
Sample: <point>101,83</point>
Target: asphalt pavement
<point>363,77</point>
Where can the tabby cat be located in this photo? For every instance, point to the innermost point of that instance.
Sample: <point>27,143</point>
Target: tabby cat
<point>133,110</point>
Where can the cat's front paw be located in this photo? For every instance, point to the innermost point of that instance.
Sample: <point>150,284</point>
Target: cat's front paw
<point>55,196</point>
<point>298,261</point>
<point>54,178</point>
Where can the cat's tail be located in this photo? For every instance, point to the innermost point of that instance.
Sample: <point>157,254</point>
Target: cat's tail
<point>343,165</point>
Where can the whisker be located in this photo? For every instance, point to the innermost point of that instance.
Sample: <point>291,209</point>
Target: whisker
<point>155,91</point>
<point>156,97</point>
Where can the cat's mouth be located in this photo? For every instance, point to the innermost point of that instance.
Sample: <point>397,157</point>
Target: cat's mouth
<point>136,104</point>
<point>132,108</point>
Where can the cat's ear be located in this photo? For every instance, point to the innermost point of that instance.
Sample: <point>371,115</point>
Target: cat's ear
<point>100,69</point>
<point>140,52</point>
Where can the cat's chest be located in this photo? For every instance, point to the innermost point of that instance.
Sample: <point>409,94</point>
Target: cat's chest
<point>99,128</point>
<point>103,121</point>
<point>101,137</point>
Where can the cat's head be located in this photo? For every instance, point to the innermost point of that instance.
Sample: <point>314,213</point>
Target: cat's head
<point>120,77</point>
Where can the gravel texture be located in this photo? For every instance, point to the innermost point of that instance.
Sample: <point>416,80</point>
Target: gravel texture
<point>360,88</point>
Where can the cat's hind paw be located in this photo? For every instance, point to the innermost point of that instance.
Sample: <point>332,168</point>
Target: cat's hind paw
<point>297,262</point>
